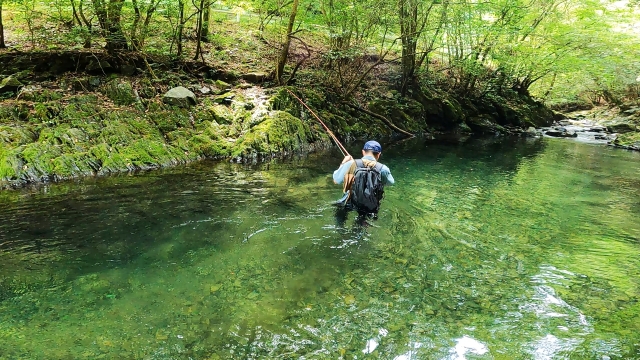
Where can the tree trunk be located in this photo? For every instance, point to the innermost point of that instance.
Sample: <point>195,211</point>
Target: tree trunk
<point>76,18</point>
<point>2,44</point>
<point>408,33</point>
<point>142,35</point>
<point>135,40</point>
<point>87,23</point>
<point>101,13</point>
<point>284,54</point>
<point>180,27</point>
<point>109,19</point>
<point>199,30</point>
<point>204,35</point>
<point>115,38</point>
<point>550,89</point>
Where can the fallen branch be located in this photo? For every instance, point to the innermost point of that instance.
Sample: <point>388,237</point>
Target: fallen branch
<point>378,116</point>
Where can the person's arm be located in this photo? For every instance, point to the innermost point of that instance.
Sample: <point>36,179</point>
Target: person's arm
<point>338,175</point>
<point>387,175</point>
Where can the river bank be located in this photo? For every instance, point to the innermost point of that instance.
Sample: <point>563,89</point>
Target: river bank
<point>73,114</point>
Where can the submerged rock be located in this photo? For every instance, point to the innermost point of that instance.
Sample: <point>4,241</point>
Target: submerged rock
<point>180,96</point>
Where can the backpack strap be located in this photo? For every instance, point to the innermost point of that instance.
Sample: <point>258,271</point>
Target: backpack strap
<point>378,167</point>
<point>360,164</point>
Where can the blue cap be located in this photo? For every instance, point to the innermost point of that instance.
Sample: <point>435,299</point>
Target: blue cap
<point>372,146</point>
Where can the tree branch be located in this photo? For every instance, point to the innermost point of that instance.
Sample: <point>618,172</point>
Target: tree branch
<point>378,116</point>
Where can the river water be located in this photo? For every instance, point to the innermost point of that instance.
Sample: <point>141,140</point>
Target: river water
<point>484,249</point>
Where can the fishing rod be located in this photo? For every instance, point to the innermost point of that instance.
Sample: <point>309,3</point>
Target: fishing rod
<point>331,134</point>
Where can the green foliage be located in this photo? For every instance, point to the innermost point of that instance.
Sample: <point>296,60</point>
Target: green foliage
<point>560,50</point>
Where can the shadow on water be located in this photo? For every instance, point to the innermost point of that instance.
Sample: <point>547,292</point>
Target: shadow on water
<point>475,253</point>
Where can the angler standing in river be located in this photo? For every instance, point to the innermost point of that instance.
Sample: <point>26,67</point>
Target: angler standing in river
<point>364,180</point>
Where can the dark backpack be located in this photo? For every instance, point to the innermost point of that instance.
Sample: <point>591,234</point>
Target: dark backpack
<point>367,189</point>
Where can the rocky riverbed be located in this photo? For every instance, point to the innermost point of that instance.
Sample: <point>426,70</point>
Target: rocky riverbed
<point>615,127</point>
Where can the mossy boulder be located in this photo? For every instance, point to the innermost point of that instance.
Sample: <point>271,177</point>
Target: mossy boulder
<point>452,110</point>
<point>10,84</point>
<point>16,135</point>
<point>621,126</point>
<point>10,164</point>
<point>120,92</point>
<point>484,124</point>
<point>223,86</point>
<point>440,111</point>
<point>630,140</point>
<point>208,146</point>
<point>225,99</point>
<point>280,131</point>
<point>38,94</point>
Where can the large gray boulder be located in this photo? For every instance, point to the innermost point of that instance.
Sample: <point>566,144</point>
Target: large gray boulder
<point>180,96</point>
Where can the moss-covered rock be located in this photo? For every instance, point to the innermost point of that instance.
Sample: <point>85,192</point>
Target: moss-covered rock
<point>221,114</point>
<point>225,98</point>
<point>630,140</point>
<point>10,164</point>
<point>10,84</point>
<point>483,124</point>
<point>280,131</point>
<point>170,120</point>
<point>36,94</point>
<point>16,135</point>
<point>283,101</point>
<point>621,125</point>
<point>120,92</point>
<point>147,89</point>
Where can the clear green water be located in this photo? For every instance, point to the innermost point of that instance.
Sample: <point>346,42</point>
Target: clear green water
<point>484,250</point>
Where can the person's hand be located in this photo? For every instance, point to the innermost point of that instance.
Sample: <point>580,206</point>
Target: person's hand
<point>346,159</point>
